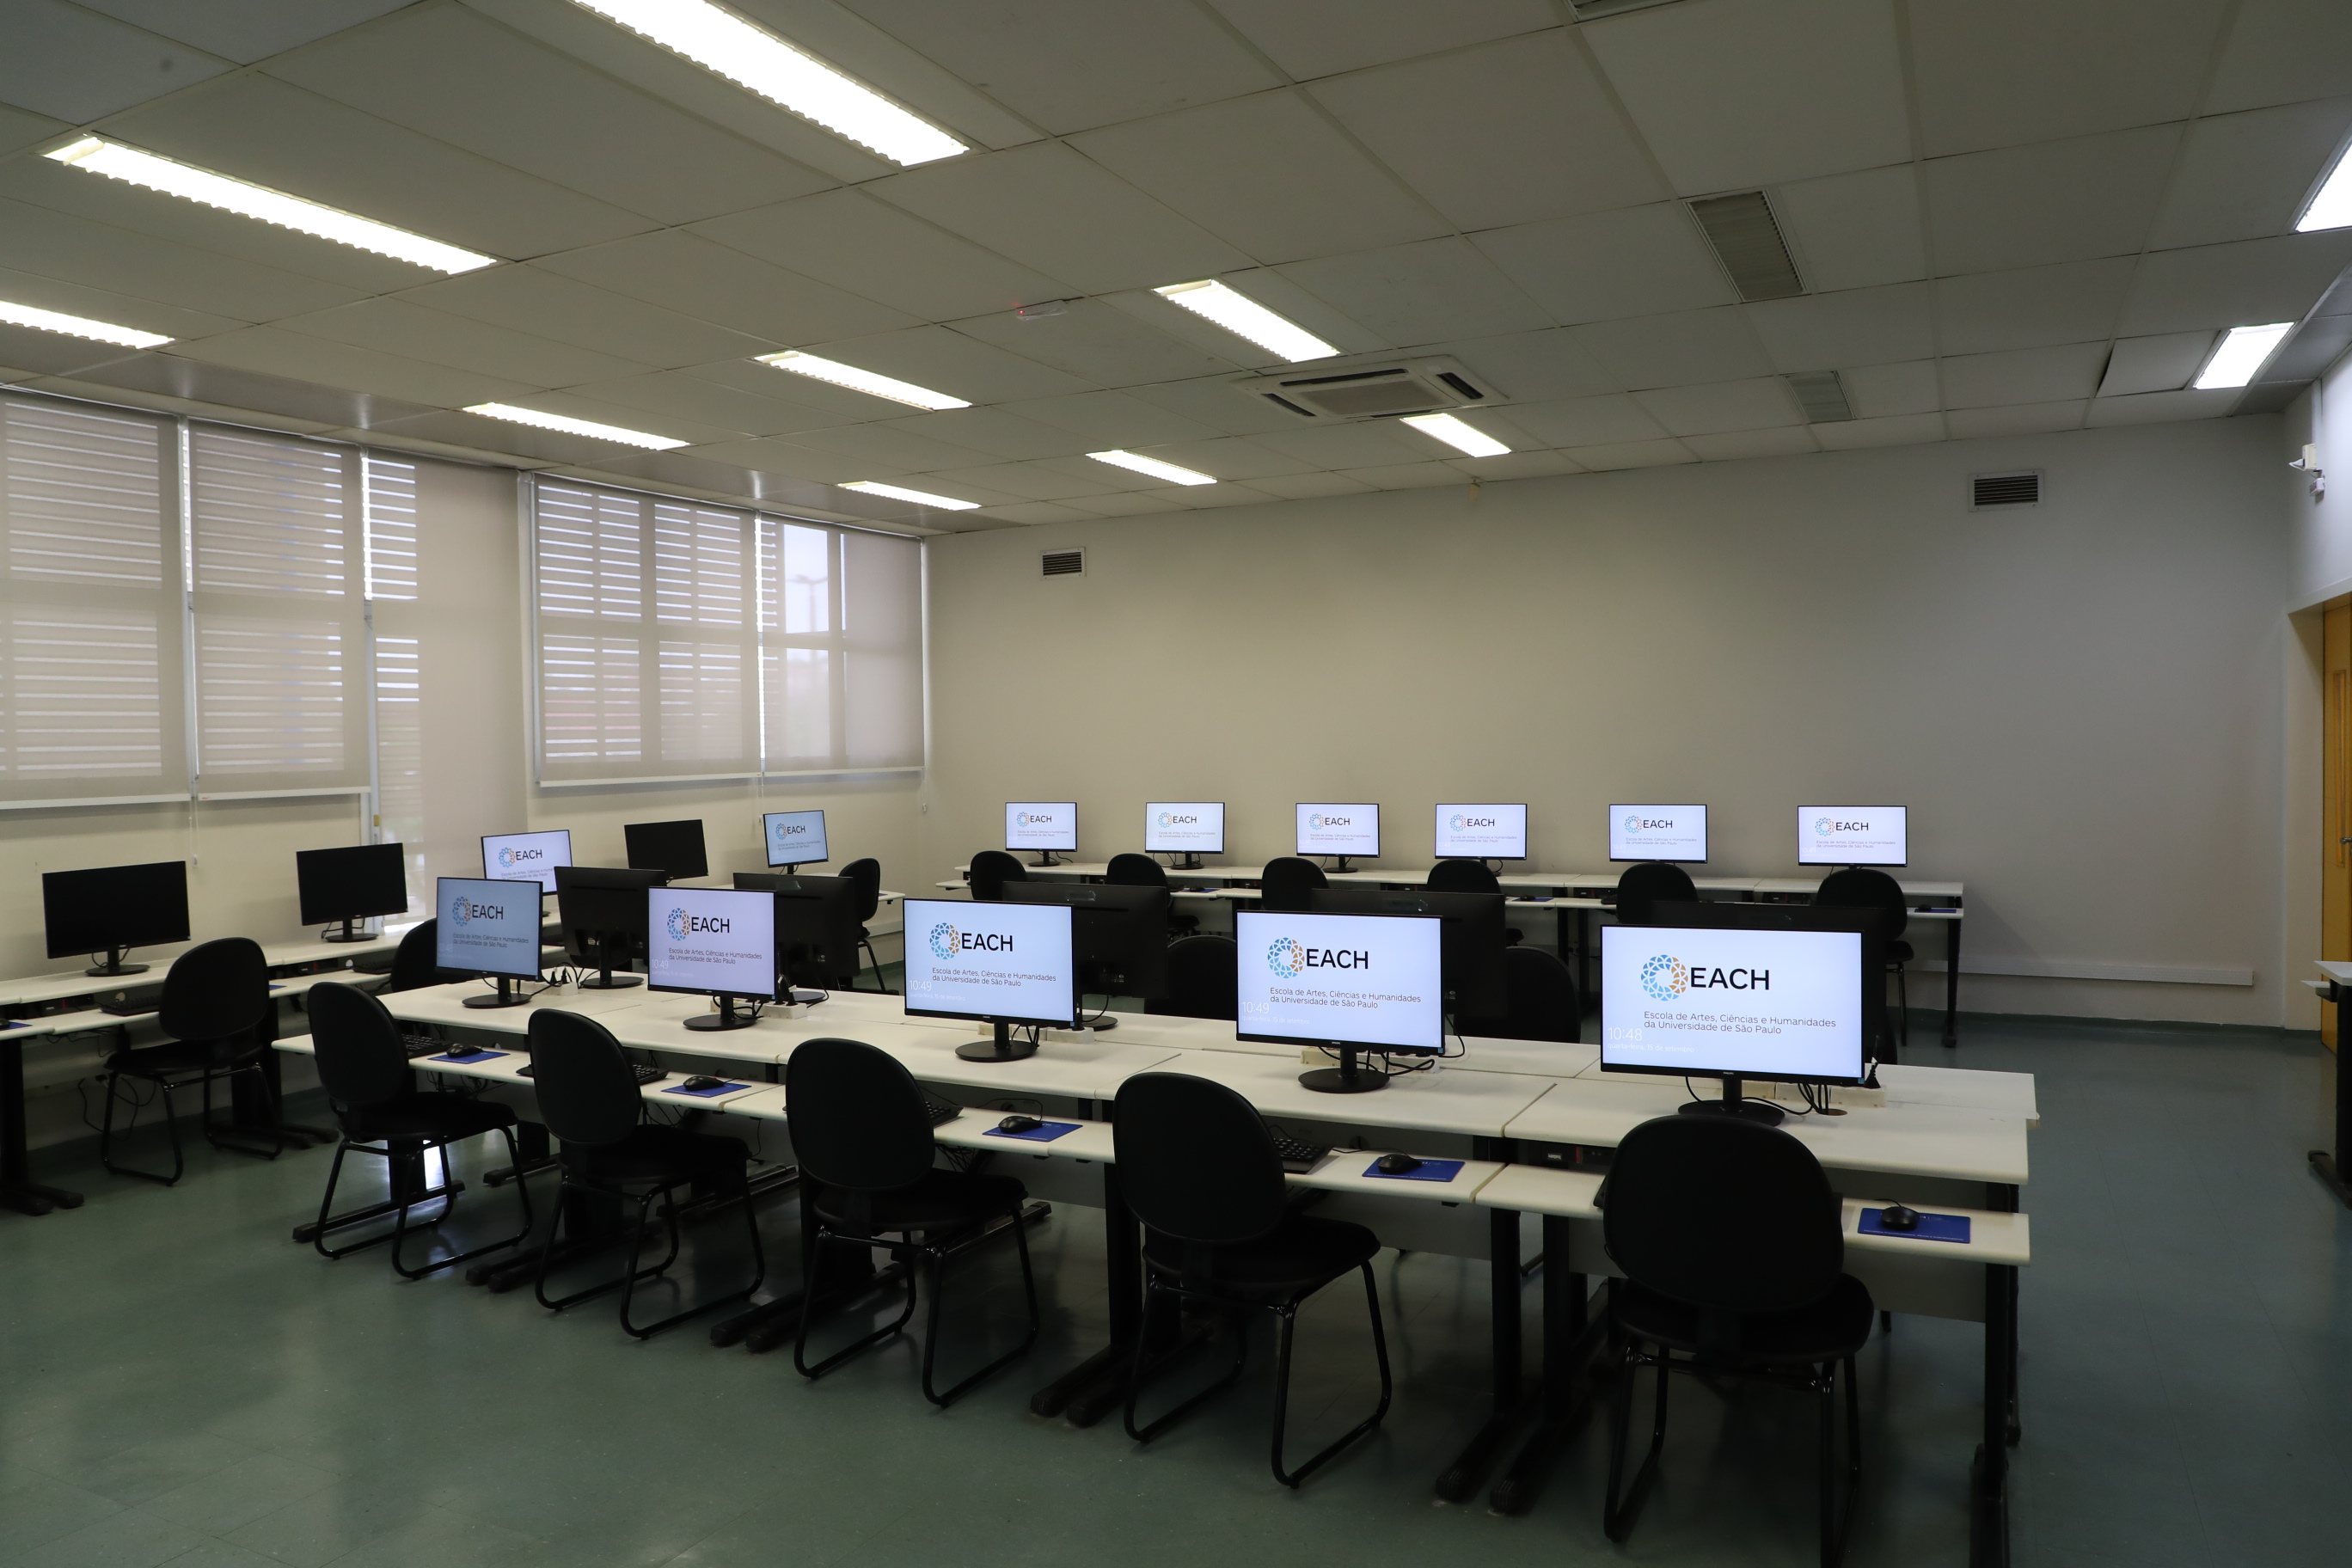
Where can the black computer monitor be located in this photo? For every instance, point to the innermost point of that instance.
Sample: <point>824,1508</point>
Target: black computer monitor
<point>357,882</point>
<point>1119,936</point>
<point>1471,928</point>
<point>672,847</point>
<point>717,941</point>
<point>999,963</point>
<point>112,909</point>
<point>816,926</point>
<point>488,926</point>
<point>795,837</point>
<point>1350,983</point>
<point>603,910</point>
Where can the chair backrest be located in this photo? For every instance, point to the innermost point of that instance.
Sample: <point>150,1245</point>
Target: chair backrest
<point>413,962</point>
<point>1203,980</point>
<point>867,875</point>
<point>991,869</point>
<point>1723,1215</point>
<point>1195,1160</point>
<point>1866,888</point>
<point>1545,1004</point>
<point>1133,870</point>
<point>359,1056</point>
<point>214,990</point>
<point>1463,876</point>
<point>857,1116</point>
<point>1286,880</point>
<point>1650,883</point>
<point>587,1093</point>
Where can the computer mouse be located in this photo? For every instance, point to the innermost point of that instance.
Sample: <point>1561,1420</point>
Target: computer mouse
<point>1018,1123</point>
<point>1894,1216</point>
<point>702,1080</point>
<point>1397,1164</point>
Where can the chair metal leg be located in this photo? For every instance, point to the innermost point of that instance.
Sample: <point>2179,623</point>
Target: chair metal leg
<point>1618,1511</point>
<point>1287,1317</point>
<point>171,1125</point>
<point>809,1294</point>
<point>1903,997</point>
<point>448,1191</point>
<point>936,1262</point>
<point>1837,1523</point>
<point>1146,1364</point>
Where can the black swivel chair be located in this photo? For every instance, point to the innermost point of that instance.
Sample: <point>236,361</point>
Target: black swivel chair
<point>1542,998</point>
<point>1131,871</point>
<point>1468,876</point>
<point>362,1060</point>
<point>860,1130</point>
<point>991,869</point>
<point>414,962</point>
<point>867,875</point>
<point>1644,887</point>
<point>1731,1243</point>
<point>1203,980</point>
<point>588,1098</point>
<point>1285,882</point>
<point>1198,1166</point>
<point>1863,888</point>
<point>215,997</point>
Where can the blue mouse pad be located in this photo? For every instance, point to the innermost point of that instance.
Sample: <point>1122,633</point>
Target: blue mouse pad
<point>1429,1171</point>
<point>706,1094</point>
<point>13,1024</point>
<point>468,1056</point>
<point>1044,1134</point>
<point>1932,1227</point>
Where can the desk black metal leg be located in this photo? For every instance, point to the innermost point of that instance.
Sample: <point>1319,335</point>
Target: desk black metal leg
<point>1097,1385</point>
<point>1572,1341</point>
<point>1951,982</point>
<point>18,1191</point>
<point>1989,1478</point>
<point>534,1153</point>
<point>2330,1166</point>
<point>1510,1404</point>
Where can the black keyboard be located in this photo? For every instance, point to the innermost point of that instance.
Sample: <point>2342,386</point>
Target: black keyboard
<point>418,1046</point>
<point>644,1075</point>
<point>939,1110</point>
<point>1299,1158</point>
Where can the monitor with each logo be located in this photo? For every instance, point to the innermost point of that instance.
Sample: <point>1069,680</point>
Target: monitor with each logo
<point>526,856</point>
<point>1042,825</point>
<point>795,837</point>
<point>1363,983</point>
<point>1779,999</point>
<point>1341,829</point>
<point>714,941</point>
<point>1657,833</point>
<point>1482,832</point>
<point>1184,827</point>
<point>486,926</point>
<point>998,964</point>
<point>1853,836</point>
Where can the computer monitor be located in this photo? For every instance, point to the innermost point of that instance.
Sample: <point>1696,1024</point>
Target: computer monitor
<point>1048,826</point>
<point>817,927</point>
<point>1482,832</point>
<point>1001,964</point>
<point>487,926</point>
<point>603,910</point>
<point>795,837</point>
<point>715,941</point>
<point>1347,983</point>
<point>356,882</point>
<point>1738,992</point>
<point>526,856</point>
<point>675,848</point>
<point>111,909</point>
<point>1853,836</point>
<point>1188,827</point>
<point>1658,833</point>
<point>1341,830</point>
<point>1119,937</point>
<point>1471,924</point>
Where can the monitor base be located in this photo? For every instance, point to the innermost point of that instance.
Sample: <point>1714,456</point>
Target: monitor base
<point>113,967</point>
<point>610,981</point>
<point>1190,863</point>
<point>506,996</point>
<point>1731,1104</point>
<point>1045,858</point>
<point>349,934</point>
<point>1341,868</point>
<point>725,1018</point>
<point>1350,1076</point>
<point>999,1047</point>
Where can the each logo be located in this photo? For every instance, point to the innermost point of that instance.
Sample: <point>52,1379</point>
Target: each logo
<point>1177,819</point>
<point>1317,819</point>
<point>1036,819</point>
<point>1666,978</point>
<point>947,942</point>
<point>1824,827</point>
<point>1633,825</point>
<point>943,940</point>
<point>1286,957</point>
<point>465,911</point>
<point>676,925</point>
<point>786,829</point>
<point>1454,822</point>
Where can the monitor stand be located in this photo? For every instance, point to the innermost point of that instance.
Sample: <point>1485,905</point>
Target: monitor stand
<point>1342,868</point>
<point>1045,858</point>
<point>114,965</point>
<point>1348,1077</point>
<point>1762,1110</point>
<point>605,979</point>
<point>350,932</point>
<point>1003,1047</point>
<point>505,996</point>
<point>725,1018</point>
<point>1190,862</point>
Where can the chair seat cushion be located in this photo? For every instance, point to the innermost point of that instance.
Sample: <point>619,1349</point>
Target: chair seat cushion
<point>1833,1327</point>
<point>942,1200</point>
<point>1300,1253</point>
<point>177,1057</point>
<point>1899,951</point>
<point>659,1154</point>
<point>426,1116</point>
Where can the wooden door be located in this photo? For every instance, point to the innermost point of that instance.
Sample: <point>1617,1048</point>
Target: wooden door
<point>2335,869</point>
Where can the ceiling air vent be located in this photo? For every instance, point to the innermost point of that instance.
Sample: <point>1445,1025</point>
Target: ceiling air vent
<point>1988,492</point>
<point>1373,391</point>
<point>1821,395</point>
<point>1063,563</point>
<point>1747,241</point>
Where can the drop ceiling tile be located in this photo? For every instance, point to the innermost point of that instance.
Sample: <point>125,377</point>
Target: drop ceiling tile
<point>1130,503</point>
<point>2033,306</point>
<point>2284,51</point>
<point>2017,420</point>
<point>1321,37</point>
<point>2050,201</point>
<point>2245,177</point>
<point>308,358</point>
<point>1634,455</point>
<point>244,30</point>
<point>1046,207</point>
<point>945,360</point>
<point>1755,405</point>
<point>1229,458</point>
<point>21,128</point>
<point>675,395</point>
<point>1342,447</point>
<point>571,311</point>
<point>2162,363</point>
<point>1428,293</point>
<point>282,401</point>
<point>1859,326</point>
<point>1740,93</point>
<point>1029,481</point>
<point>71,248</point>
<point>578,405</point>
<point>1034,514</point>
<point>1851,231</point>
<point>2024,376</point>
<point>1409,475</point>
<point>707,280</point>
<point>886,446</point>
<point>1786,442</point>
<point>1678,349</point>
<point>782,455</point>
<point>2309,350</point>
<point>1533,366</point>
<point>67,63</point>
<point>1201,498</point>
<point>998,432</point>
<point>1637,261</point>
<point>1888,391</point>
<point>1305,486</point>
<point>1107,478</point>
<point>1268,287</point>
<point>1532,465</point>
<point>1096,342</point>
<point>1587,421</point>
<point>478,439</point>
<point>1210,406</point>
<point>2244,284</point>
<point>1122,419</point>
<point>1897,430</point>
<point>31,354</point>
<point>52,293</point>
<point>843,406</point>
<point>397,327</point>
<point>1995,73</point>
<point>2161,408</point>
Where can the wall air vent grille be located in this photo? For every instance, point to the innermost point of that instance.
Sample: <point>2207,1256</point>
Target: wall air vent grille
<point>1988,492</point>
<point>1062,563</point>
<point>1379,390</point>
<point>1747,241</point>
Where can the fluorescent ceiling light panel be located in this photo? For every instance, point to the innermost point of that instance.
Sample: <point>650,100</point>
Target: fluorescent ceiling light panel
<point>920,497</point>
<point>98,156</point>
<point>1240,314</point>
<point>78,326</point>
<point>2331,207</point>
<point>1152,466</point>
<point>1457,435</point>
<point>2241,353</point>
<point>857,380</point>
<point>571,426</point>
<point>720,41</point>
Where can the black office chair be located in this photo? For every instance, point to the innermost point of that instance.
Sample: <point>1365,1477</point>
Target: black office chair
<point>1132,870</point>
<point>1644,887</point>
<point>867,875</point>
<point>215,997</point>
<point>1863,888</point>
<point>1543,1001</point>
<point>1468,876</point>
<point>1202,982</point>
<point>1198,1166</point>
<point>991,869</point>
<point>1285,882</point>
<point>363,1063</point>
<point>588,1098</point>
<point>414,964</point>
<point>1732,1247</point>
<point>860,1130</point>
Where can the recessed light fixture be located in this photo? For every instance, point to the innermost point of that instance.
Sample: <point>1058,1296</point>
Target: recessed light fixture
<point>571,426</point>
<point>2241,353</point>
<point>920,497</point>
<point>2331,206</point>
<point>1152,466</point>
<point>78,326</point>
<point>718,40</point>
<point>857,380</point>
<point>1457,435</point>
<point>1240,314</point>
<point>96,155</point>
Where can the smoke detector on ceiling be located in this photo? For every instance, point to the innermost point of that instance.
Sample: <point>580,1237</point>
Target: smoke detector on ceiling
<point>1377,390</point>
